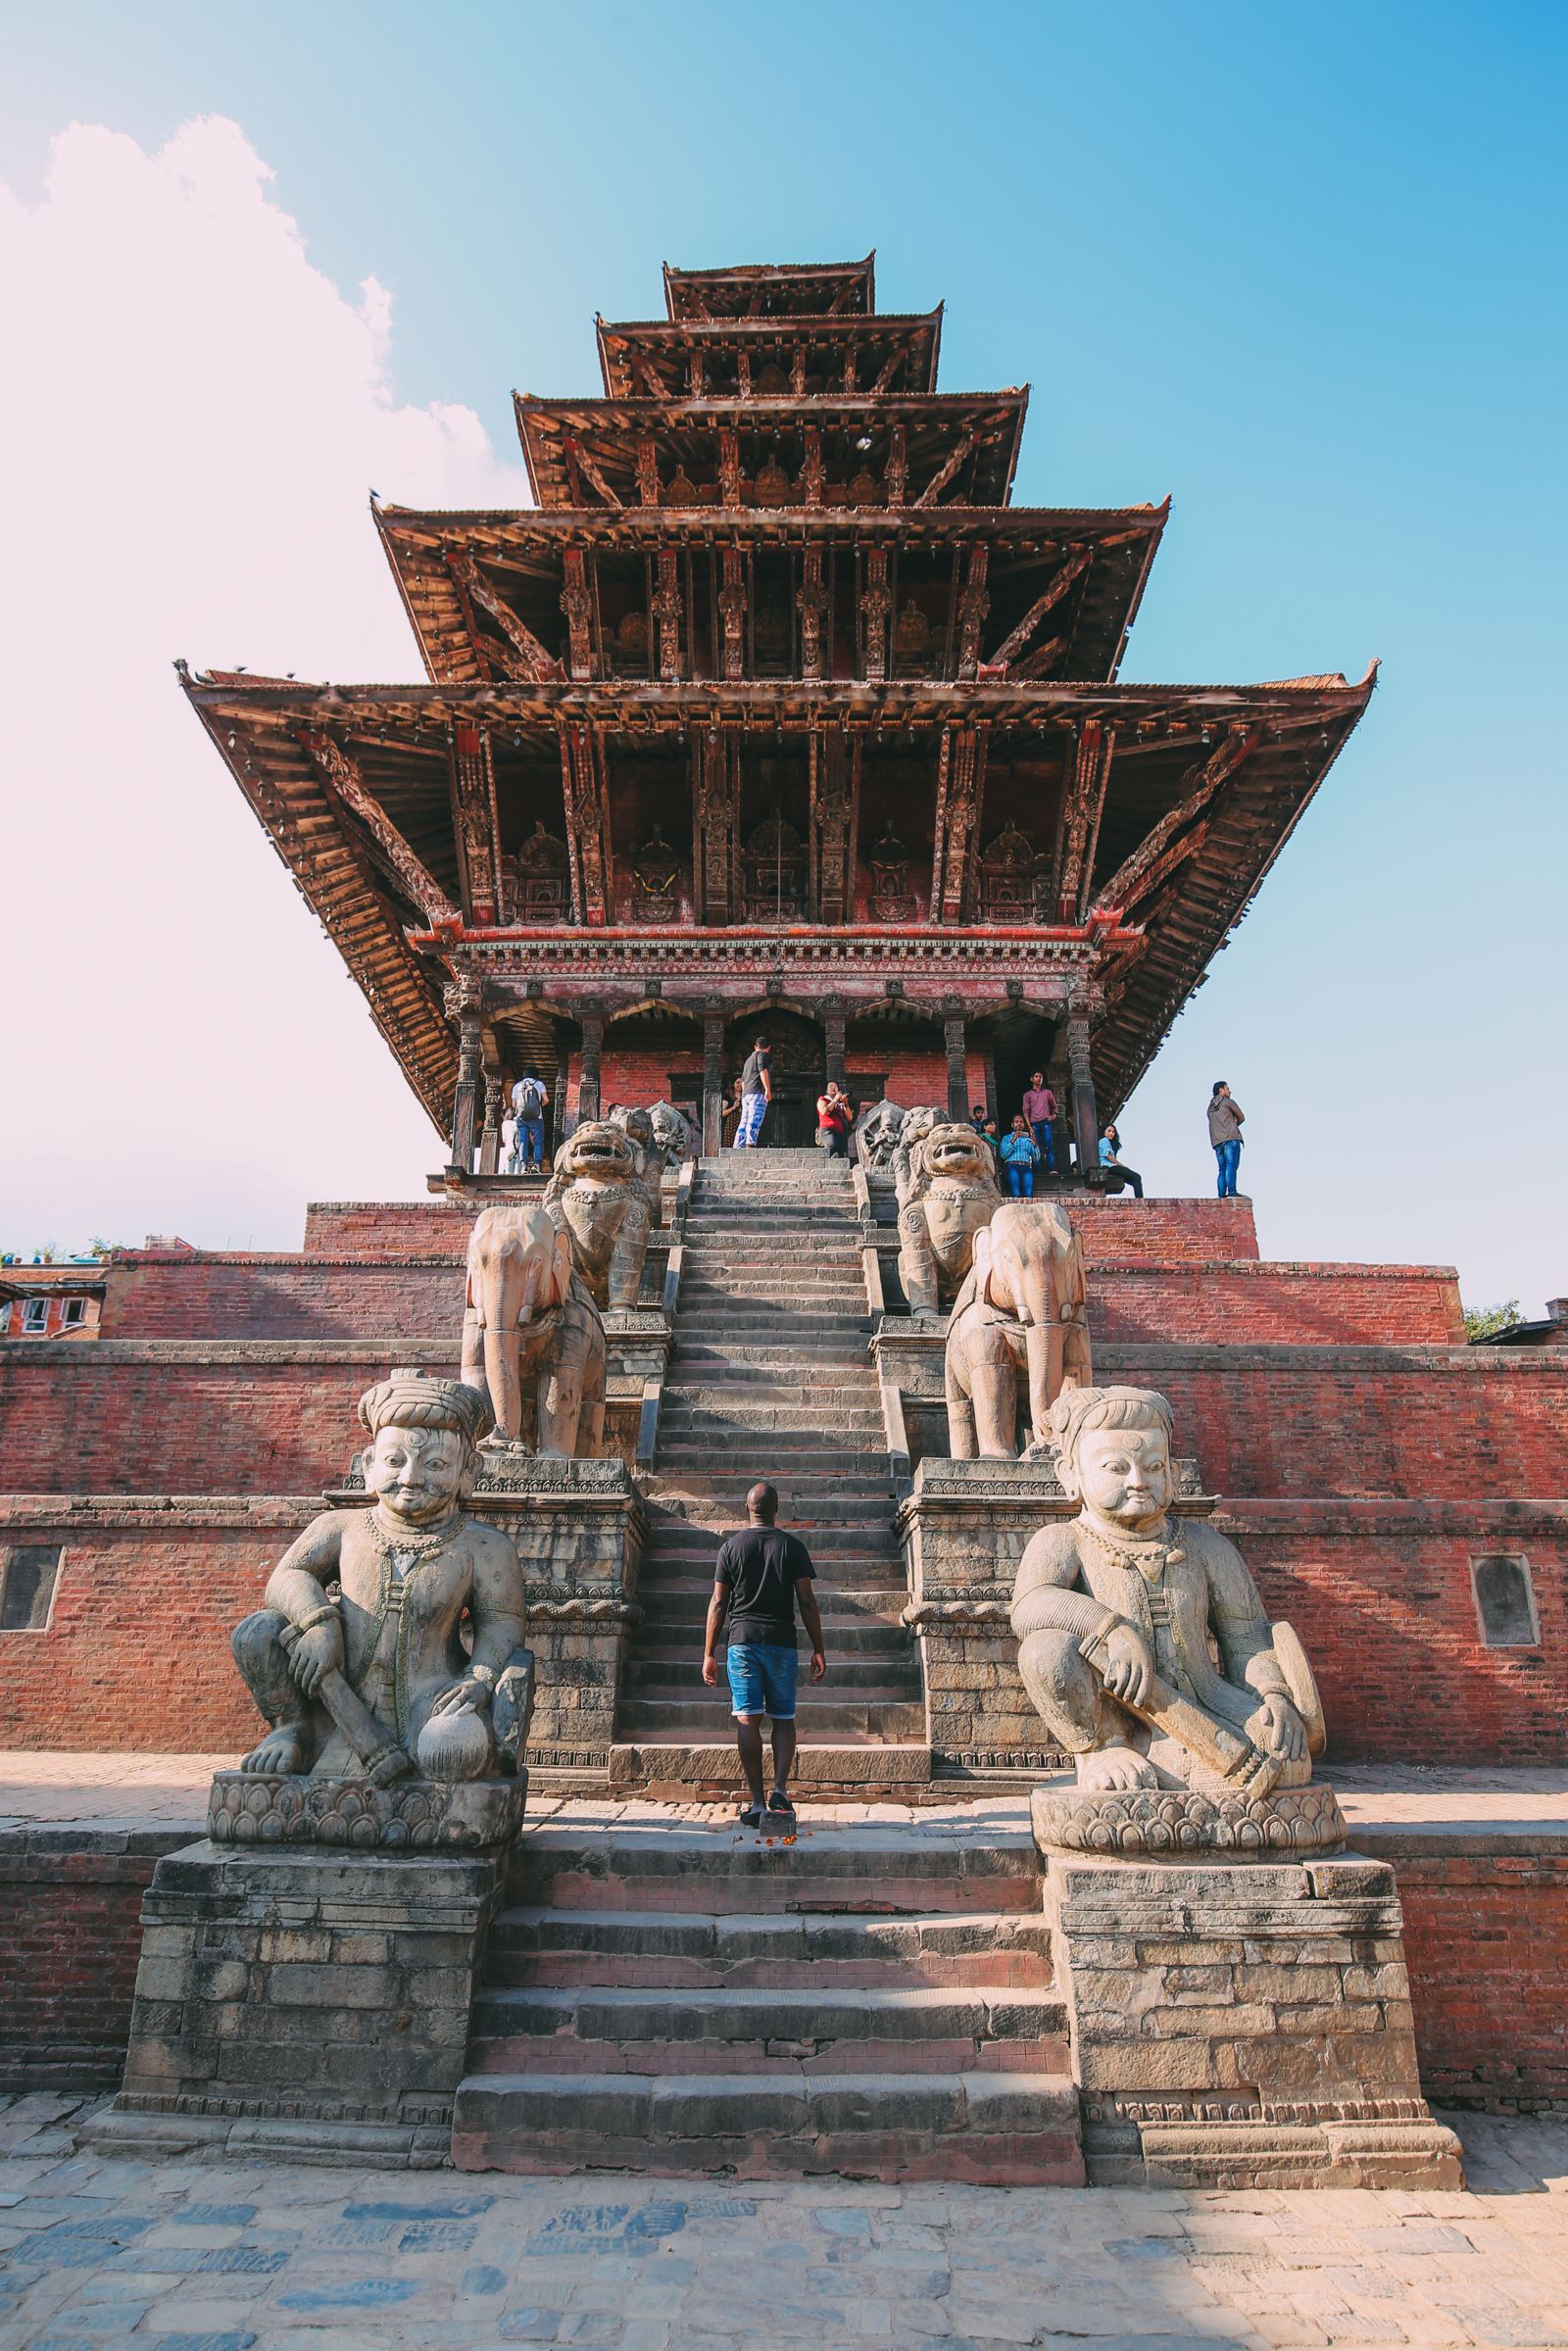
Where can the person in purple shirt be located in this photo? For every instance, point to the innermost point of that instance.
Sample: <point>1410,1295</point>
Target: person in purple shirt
<point>1039,1109</point>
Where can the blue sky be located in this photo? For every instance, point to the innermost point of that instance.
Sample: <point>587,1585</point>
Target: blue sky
<point>1300,268</point>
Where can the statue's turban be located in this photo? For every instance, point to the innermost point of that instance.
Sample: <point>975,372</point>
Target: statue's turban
<point>412,1398</point>
<point>1080,1408</point>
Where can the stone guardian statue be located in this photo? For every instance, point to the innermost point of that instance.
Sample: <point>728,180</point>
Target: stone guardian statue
<point>355,1656</point>
<point>1115,1612</point>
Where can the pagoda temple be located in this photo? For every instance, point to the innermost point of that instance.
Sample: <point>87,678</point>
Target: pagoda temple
<point>775,712</point>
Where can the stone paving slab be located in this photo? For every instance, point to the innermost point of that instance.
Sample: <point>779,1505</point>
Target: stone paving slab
<point>221,2255</point>
<point>57,1788</point>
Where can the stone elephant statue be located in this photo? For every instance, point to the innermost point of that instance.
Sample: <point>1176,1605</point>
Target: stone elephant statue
<point>603,1196</point>
<point>1019,1313</point>
<point>527,1315</point>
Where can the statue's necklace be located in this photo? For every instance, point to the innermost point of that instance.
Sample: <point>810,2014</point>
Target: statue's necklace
<point>1147,1558</point>
<point>412,1545</point>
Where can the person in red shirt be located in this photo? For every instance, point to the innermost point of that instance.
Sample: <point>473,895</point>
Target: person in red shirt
<point>1039,1109</point>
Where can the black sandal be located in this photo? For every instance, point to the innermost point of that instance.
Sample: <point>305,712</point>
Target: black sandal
<point>751,1816</point>
<point>779,1802</point>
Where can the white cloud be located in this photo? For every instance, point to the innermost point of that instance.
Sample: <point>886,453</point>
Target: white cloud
<point>190,422</point>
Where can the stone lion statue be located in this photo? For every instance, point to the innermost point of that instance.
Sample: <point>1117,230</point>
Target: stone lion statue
<point>672,1132</point>
<point>947,1189</point>
<point>600,1198</point>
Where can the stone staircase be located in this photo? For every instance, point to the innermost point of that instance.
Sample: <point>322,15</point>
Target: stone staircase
<point>671,1998</point>
<point>769,1378</point>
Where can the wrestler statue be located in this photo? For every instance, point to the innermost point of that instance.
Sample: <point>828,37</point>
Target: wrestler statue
<point>354,1657</point>
<point>1115,1612</point>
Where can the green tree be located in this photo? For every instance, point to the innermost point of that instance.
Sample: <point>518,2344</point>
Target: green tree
<point>1485,1322</point>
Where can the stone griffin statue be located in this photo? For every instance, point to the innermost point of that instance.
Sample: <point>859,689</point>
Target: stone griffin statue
<point>947,1187</point>
<point>355,1656</point>
<point>527,1314</point>
<point>604,1196</point>
<point>1020,1313</point>
<point>672,1131</point>
<point>1115,1611</point>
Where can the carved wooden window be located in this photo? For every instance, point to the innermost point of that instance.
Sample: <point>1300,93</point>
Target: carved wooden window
<point>29,1574</point>
<point>1007,878</point>
<point>775,874</point>
<point>1506,1601</point>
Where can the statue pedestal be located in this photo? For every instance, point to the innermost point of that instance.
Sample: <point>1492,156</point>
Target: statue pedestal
<point>312,1998</point>
<point>1241,2024</point>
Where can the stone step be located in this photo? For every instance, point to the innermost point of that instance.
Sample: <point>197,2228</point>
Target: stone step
<point>1007,1951</point>
<point>986,2128</point>
<point>690,1714</point>
<point>671,1636</point>
<point>800,2030</point>
<point>858,1872</point>
<point>804,1479</point>
<point>665,1670</point>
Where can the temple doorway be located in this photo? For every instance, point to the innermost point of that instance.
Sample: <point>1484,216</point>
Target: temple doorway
<point>798,1071</point>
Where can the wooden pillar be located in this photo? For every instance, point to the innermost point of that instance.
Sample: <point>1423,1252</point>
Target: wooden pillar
<point>953,1039</point>
<point>490,1138</point>
<point>833,1025</point>
<point>593,1045</point>
<point>1085,1117</point>
<point>713,1083</point>
<point>470,1080</point>
<point>1058,1078</point>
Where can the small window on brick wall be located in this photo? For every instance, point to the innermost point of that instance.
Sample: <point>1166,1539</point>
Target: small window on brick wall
<point>34,1316</point>
<point>29,1574</point>
<point>1506,1601</point>
<point>72,1313</point>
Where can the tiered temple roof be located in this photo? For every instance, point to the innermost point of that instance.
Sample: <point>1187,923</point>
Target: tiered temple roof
<point>774,603</point>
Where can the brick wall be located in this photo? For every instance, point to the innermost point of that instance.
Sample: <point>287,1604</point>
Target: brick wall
<point>1273,1304</point>
<point>1381,1594</point>
<point>197,1416</point>
<point>255,1296</point>
<point>1309,1421</point>
<point>393,1228</point>
<point>1163,1232</point>
<point>70,1939</point>
<point>136,1656</point>
<point>1486,1936</point>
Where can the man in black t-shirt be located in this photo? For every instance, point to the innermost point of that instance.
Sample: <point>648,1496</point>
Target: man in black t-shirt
<point>758,1577</point>
<point>757,1092</point>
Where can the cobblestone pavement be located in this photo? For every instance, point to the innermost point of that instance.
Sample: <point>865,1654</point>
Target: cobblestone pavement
<point>204,2255</point>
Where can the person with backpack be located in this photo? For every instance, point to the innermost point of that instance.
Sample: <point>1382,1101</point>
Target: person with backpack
<point>1020,1156</point>
<point>1225,1117</point>
<point>530,1101</point>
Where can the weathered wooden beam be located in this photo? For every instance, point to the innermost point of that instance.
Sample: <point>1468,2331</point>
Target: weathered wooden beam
<point>1078,823</point>
<point>668,602</point>
<point>939,480</point>
<point>577,601</point>
<point>341,773</point>
<point>473,822</point>
<point>876,607</point>
<point>536,662</point>
<point>586,467</point>
<point>1132,875</point>
<point>1017,638</point>
<point>973,605</point>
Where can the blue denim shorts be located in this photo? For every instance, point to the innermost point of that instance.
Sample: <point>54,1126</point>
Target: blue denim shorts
<point>762,1675</point>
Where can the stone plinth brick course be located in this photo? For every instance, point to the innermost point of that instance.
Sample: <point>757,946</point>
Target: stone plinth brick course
<point>69,1941</point>
<point>1243,2023</point>
<point>324,1994</point>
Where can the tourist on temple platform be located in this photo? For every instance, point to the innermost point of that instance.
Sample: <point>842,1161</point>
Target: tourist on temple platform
<point>984,1124</point>
<point>730,1118</point>
<point>1119,1177</point>
<point>759,1575</point>
<point>529,1099</point>
<point>835,1115</point>
<point>510,1146</point>
<point>1039,1109</point>
<point>1020,1156</point>
<point>757,1092</point>
<point>1225,1117</point>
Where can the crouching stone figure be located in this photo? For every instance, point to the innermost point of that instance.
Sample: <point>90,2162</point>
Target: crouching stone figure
<point>1114,1611</point>
<point>354,1657</point>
